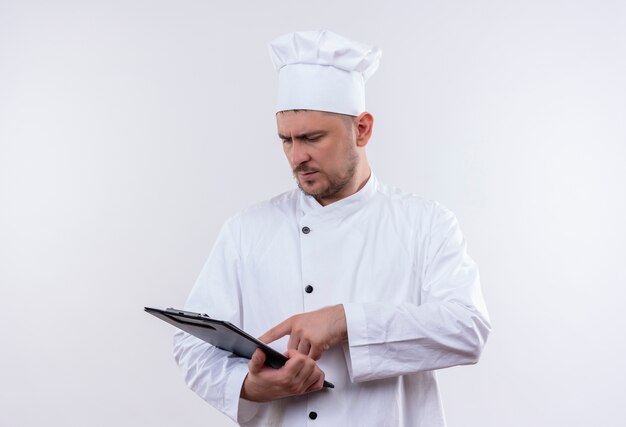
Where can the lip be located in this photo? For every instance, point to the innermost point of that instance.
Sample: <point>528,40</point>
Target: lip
<point>306,175</point>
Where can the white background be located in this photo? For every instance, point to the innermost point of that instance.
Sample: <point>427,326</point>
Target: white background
<point>130,130</point>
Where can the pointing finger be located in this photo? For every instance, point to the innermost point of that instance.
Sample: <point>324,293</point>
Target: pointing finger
<point>294,339</point>
<point>278,331</point>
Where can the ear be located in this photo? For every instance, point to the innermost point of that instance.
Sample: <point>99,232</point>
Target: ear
<point>364,124</point>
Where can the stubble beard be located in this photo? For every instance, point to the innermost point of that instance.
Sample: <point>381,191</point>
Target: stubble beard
<point>335,184</point>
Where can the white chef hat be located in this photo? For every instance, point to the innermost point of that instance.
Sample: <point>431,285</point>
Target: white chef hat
<point>323,71</point>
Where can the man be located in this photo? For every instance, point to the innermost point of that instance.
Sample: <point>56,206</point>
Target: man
<point>358,283</point>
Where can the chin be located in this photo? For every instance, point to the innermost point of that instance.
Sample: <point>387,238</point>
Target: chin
<point>311,188</point>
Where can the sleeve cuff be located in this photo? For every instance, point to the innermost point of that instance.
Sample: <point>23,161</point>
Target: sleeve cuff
<point>238,409</point>
<point>357,351</point>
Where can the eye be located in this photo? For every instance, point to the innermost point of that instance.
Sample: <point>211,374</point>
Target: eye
<point>312,138</point>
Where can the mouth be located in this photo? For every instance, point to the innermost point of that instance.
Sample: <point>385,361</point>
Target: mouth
<point>307,175</point>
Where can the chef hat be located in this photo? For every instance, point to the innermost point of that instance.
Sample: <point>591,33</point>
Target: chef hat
<point>321,70</point>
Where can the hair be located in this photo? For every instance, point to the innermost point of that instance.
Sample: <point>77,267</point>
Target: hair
<point>347,119</point>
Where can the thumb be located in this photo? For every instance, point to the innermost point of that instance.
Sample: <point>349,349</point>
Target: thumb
<point>256,362</point>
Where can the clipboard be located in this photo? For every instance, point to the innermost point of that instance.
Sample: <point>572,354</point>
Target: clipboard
<point>221,334</point>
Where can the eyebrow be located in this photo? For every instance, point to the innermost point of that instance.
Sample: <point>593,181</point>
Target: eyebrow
<point>305,135</point>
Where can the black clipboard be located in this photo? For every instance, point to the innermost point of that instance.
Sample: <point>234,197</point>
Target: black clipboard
<point>221,334</point>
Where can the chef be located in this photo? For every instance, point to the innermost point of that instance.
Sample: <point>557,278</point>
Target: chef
<point>358,283</point>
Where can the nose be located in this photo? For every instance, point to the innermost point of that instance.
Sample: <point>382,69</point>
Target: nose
<point>298,153</point>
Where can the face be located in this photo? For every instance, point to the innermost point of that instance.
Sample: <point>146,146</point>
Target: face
<point>321,151</point>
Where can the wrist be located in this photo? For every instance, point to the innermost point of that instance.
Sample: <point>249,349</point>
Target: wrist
<point>342,325</point>
<point>243,393</point>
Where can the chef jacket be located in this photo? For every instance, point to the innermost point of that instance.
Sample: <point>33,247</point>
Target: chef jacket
<point>396,262</point>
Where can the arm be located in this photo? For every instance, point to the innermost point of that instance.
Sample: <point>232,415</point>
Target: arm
<point>215,375</point>
<point>231,384</point>
<point>449,327</point>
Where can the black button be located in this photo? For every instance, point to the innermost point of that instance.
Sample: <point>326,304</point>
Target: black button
<point>312,415</point>
<point>306,230</point>
<point>308,289</point>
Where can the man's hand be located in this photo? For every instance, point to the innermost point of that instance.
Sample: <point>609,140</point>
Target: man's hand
<point>299,375</point>
<point>311,333</point>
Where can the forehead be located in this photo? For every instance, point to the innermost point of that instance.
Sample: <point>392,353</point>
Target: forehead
<point>306,121</point>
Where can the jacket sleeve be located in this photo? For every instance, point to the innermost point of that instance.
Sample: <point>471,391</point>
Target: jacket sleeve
<point>448,326</point>
<point>214,374</point>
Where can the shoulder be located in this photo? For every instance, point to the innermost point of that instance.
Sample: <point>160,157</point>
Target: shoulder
<point>262,215</point>
<point>280,205</point>
<point>411,205</point>
<point>429,220</point>
<point>257,227</point>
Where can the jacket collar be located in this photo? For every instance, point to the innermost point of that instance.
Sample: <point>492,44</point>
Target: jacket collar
<point>342,207</point>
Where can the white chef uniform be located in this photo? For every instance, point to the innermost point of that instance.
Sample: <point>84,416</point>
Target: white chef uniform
<point>396,262</point>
